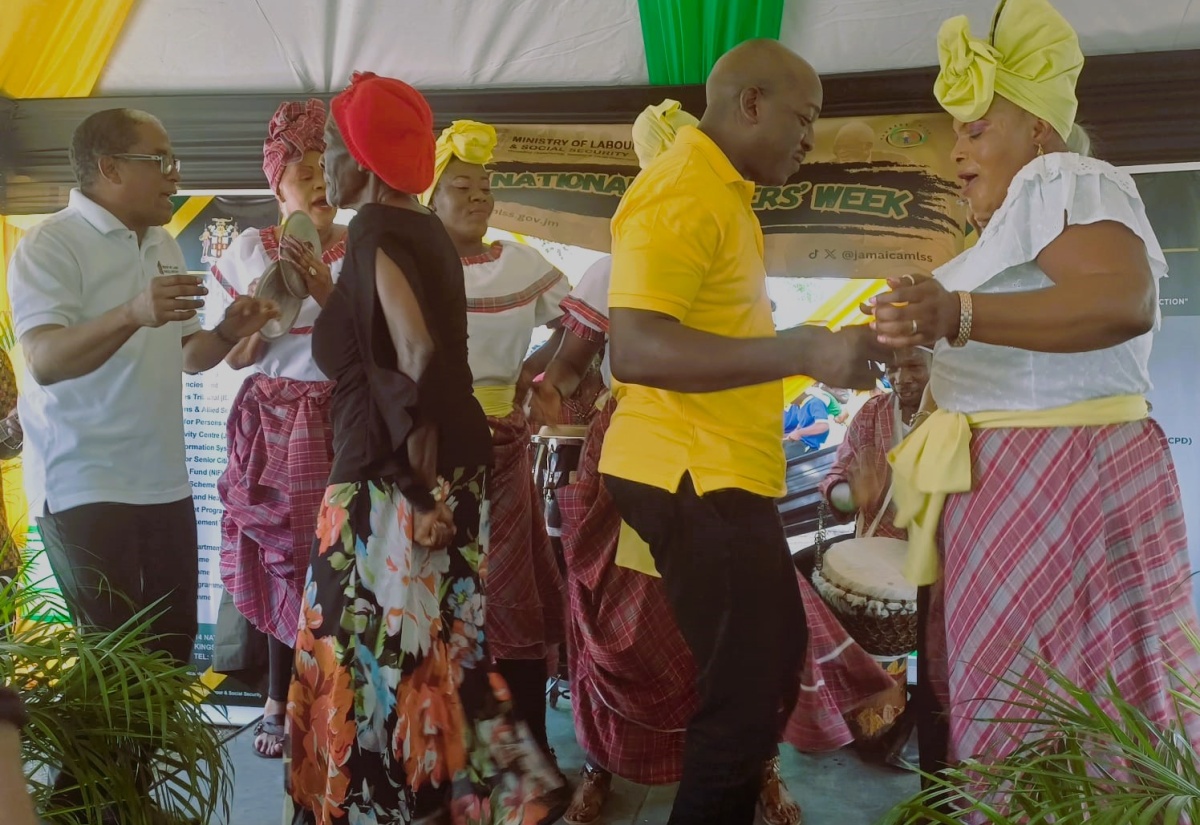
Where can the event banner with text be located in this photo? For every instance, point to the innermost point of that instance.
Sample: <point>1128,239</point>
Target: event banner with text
<point>876,197</point>
<point>1173,205</point>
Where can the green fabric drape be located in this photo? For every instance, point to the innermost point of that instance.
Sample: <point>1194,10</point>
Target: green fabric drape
<point>684,38</point>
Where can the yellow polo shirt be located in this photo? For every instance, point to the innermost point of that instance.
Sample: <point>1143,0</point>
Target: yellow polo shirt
<point>686,243</point>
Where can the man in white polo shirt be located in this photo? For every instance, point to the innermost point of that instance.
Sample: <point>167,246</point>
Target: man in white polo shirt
<point>106,315</point>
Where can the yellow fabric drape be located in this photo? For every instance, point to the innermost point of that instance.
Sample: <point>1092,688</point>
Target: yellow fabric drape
<point>935,462</point>
<point>12,479</point>
<point>497,402</point>
<point>57,48</point>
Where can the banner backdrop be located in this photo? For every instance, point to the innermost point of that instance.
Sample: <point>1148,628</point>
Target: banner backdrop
<point>1173,206</point>
<point>877,196</point>
<point>204,227</point>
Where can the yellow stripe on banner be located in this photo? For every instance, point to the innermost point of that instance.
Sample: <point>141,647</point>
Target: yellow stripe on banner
<point>187,213</point>
<point>207,684</point>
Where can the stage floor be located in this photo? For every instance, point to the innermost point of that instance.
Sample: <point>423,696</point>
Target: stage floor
<point>834,789</point>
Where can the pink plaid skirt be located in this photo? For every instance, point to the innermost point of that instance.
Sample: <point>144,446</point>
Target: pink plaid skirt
<point>632,675</point>
<point>1071,545</point>
<point>526,616</point>
<point>280,451</point>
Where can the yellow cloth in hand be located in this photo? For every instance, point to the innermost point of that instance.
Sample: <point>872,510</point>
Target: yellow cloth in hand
<point>655,129</point>
<point>633,553</point>
<point>497,402</point>
<point>934,461</point>
<point>1032,58</point>
<point>468,140</point>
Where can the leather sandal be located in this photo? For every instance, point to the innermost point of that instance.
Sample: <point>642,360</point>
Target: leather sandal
<point>776,805</point>
<point>589,798</point>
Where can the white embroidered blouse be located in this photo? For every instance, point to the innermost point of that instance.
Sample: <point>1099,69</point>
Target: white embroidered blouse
<point>982,377</point>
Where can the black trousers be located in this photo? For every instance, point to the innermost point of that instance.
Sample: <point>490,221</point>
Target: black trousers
<point>112,560</point>
<point>732,587</point>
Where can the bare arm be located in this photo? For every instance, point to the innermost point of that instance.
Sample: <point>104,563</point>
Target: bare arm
<point>414,350</point>
<point>567,368</point>
<point>537,362</point>
<point>13,790</point>
<point>656,350</point>
<point>246,352</point>
<point>56,353</point>
<point>1103,294</point>
<point>246,316</point>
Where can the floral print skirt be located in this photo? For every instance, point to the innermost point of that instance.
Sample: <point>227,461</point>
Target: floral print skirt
<point>395,714</point>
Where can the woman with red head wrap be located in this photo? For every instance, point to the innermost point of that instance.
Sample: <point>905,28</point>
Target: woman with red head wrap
<point>396,713</point>
<point>279,436</point>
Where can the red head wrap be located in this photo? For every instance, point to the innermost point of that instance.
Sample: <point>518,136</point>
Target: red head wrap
<point>295,128</point>
<point>388,128</point>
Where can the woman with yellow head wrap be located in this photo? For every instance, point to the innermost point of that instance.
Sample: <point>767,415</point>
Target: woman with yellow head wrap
<point>1040,499</point>
<point>511,289</point>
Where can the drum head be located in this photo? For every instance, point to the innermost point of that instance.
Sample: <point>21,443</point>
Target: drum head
<point>870,567</point>
<point>566,431</point>
<point>299,226</point>
<point>271,288</point>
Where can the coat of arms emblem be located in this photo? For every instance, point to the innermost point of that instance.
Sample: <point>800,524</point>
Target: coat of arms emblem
<point>216,238</point>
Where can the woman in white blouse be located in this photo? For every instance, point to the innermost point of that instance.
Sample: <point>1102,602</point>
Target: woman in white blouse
<point>1041,500</point>
<point>279,434</point>
<point>511,290</point>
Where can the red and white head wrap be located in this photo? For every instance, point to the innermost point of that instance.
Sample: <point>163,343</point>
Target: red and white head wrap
<point>296,128</point>
<point>388,128</point>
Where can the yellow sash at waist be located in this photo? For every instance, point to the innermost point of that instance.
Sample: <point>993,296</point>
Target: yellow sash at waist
<point>497,402</point>
<point>633,553</point>
<point>934,461</point>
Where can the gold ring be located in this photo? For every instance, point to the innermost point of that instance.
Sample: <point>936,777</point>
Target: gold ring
<point>911,278</point>
<point>312,272</point>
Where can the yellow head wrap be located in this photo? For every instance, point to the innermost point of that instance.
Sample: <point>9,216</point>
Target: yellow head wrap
<point>655,129</point>
<point>1032,59</point>
<point>467,140</point>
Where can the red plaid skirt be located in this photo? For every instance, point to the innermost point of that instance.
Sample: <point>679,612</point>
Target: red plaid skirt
<point>280,450</point>
<point>1072,545</point>
<point>525,602</point>
<point>632,675</point>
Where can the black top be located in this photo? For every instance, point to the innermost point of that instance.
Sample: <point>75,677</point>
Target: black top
<point>375,406</point>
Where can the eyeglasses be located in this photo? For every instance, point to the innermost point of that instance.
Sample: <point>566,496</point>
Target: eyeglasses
<point>167,164</point>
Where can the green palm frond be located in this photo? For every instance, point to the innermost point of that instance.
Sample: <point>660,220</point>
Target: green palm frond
<point>97,702</point>
<point>1092,757</point>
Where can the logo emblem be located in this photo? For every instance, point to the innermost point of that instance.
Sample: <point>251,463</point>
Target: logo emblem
<point>216,238</point>
<point>907,135</point>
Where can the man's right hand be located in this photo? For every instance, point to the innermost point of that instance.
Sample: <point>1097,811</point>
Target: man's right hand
<point>169,298</point>
<point>849,358</point>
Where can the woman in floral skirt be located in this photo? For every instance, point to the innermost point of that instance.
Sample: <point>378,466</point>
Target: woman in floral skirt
<point>395,714</point>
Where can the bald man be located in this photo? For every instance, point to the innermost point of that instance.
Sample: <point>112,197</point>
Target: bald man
<point>693,457</point>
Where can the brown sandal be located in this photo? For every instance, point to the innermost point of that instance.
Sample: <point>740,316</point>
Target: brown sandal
<point>589,798</point>
<point>776,805</point>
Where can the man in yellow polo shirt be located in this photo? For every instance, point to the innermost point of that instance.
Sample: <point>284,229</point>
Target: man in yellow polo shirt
<point>693,457</point>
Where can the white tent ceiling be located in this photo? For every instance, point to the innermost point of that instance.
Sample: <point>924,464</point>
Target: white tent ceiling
<point>298,46</point>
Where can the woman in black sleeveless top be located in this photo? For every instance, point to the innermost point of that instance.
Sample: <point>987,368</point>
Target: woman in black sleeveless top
<point>395,713</point>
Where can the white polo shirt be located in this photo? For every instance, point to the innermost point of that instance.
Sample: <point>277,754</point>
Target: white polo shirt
<point>116,434</point>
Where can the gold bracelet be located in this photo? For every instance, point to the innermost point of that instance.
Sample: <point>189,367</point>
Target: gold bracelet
<point>966,316</point>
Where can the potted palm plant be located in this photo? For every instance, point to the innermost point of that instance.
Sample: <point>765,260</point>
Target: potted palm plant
<point>98,699</point>
<point>1093,757</point>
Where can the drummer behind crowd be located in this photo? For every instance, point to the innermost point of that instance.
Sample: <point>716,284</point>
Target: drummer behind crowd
<point>106,344</point>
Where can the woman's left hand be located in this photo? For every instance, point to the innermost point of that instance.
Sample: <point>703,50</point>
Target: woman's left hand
<point>917,312</point>
<point>317,275</point>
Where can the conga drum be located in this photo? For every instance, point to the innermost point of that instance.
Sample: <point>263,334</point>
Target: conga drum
<point>862,581</point>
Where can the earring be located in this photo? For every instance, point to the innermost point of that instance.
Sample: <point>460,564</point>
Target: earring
<point>1040,150</point>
